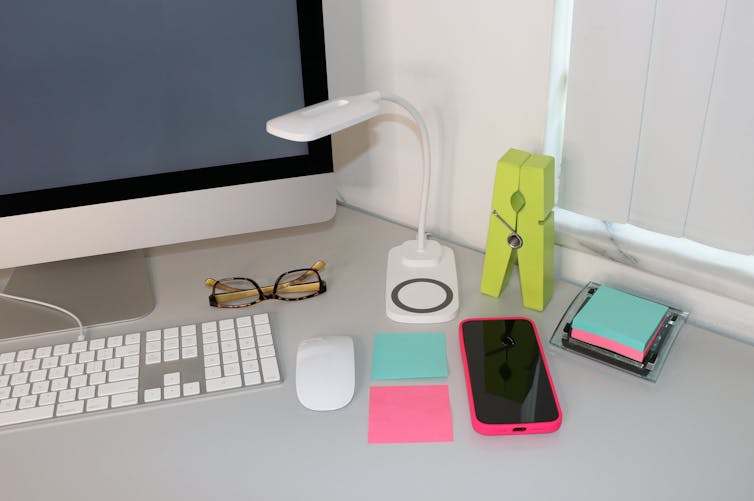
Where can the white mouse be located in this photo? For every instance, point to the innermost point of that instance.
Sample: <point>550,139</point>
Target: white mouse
<point>325,374</point>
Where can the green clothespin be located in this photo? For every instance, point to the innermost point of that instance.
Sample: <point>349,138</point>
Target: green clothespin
<point>522,226</point>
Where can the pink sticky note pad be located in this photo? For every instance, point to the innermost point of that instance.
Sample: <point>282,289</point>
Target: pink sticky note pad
<point>409,414</point>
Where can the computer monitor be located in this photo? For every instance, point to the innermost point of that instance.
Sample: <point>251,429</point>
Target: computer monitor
<point>128,125</point>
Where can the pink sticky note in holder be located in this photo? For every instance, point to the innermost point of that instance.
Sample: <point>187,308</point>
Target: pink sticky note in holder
<point>409,414</point>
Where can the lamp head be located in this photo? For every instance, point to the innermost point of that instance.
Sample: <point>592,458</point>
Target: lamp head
<point>325,118</point>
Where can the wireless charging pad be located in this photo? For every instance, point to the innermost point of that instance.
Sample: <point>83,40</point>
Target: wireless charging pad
<point>421,286</point>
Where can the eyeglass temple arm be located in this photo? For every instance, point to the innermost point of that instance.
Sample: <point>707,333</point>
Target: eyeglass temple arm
<point>224,297</point>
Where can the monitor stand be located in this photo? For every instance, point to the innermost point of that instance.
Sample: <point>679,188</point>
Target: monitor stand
<point>99,290</point>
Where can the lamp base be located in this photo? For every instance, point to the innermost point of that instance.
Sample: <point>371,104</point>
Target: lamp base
<point>421,287</point>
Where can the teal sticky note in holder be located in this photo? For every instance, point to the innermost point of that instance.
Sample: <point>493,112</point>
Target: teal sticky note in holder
<point>619,321</point>
<point>621,324</point>
<point>409,355</point>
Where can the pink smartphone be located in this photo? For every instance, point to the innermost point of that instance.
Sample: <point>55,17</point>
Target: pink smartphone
<point>507,379</point>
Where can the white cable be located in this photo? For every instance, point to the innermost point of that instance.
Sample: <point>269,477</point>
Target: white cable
<point>81,337</point>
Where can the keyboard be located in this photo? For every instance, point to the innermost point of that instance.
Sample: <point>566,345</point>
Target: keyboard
<point>136,369</point>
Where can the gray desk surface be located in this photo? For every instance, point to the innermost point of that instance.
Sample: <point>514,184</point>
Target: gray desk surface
<point>689,436</point>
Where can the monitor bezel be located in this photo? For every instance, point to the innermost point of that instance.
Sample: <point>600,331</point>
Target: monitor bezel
<point>318,160</point>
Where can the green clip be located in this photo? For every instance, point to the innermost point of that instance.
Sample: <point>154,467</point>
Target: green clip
<point>522,227</point>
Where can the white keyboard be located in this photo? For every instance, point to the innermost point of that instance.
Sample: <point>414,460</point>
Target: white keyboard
<point>140,368</point>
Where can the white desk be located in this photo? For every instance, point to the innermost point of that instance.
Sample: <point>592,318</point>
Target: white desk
<point>689,436</point>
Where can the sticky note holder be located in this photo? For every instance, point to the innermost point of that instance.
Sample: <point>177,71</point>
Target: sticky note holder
<point>649,368</point>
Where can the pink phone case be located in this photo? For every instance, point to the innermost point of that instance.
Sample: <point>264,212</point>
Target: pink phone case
<point>509,428</point>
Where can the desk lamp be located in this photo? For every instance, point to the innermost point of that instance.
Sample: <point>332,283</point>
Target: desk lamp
<point>421,283</point>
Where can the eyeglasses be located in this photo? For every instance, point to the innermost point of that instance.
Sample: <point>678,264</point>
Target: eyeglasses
<point>294,285</point>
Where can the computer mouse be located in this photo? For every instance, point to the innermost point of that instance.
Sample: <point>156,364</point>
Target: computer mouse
<point>325,373</point>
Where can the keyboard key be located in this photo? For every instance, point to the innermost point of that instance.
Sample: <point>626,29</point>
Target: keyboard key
<point>152,394</point>
<point>68,408</point>
<point>244,332</point>
<point>223,383</point>
<point>262,329</point>
<point>40,387</point>
<point>78,347</point>
<point>261,318</point>
<point>211,360</point>
<point>96,344</point>
<point>25,415</point>
<point>119,387</point>
<point>97,378</point>
<point>96,404</point>
<point>250,366</point>
<point>209,326</point>
<point>123,374</point>
<point>265,340</point>
<point>59,384</point>
<point>133,339</point>
<point>66,396</point>
<point>131,361</point>
<point>47,398</point>
<point>112,364</point>
<point>153,346</point>
<point>188,330</point>
<point>173,391</point>
<point>85,392</point>
<point>190,352</point>
<point>8,404</point>
<point>153,358</point>
<point>154,336</point>
<point>114,341</point>
<point>60,349</point>
<point>270,371</point>
<point>105,354</point>
<point>190,388</point>
<point>170,333</point>
<point>227,324</point>
<point>212,372</point>
<point>86,356</point>
<point>252,378</point>
<point>123,399</point>
<point>13,368</point>
<point>171,378</point>
<point>8,357</point>
<point>50,362</point>
<point>43,352</point>
<point>127,350</point>
<point>171,355</point>
<point>19,378</point>
<point>170,344</point>
<point>21,390</point>
<point>227,335</point>
<point>232,369</point>
<point>25,355</point>
<point>27,401</point>
<point>266,351</point>
<point>243,321</point>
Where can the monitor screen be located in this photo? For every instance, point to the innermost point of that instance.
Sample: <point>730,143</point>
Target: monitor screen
<point>115,109</point>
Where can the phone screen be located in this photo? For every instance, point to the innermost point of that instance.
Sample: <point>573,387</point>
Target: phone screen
<point>507,374</point>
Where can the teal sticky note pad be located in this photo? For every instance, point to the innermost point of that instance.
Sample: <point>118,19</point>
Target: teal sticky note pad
<point>620,317</point>
<point>409,355</point>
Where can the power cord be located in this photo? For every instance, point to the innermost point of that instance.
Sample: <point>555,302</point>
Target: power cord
<point>81,337</point>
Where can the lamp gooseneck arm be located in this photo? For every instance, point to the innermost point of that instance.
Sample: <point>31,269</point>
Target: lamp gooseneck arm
<point>421,232</point>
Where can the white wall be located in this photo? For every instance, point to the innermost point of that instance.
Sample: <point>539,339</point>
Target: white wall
<point>476,70</point>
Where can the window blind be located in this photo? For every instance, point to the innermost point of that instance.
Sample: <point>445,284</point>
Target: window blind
<point>659,118</point>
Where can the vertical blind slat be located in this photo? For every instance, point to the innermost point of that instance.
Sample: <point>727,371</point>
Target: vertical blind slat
<point>721,213</point>
<point>608,67</point>
<point>678,88</point>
